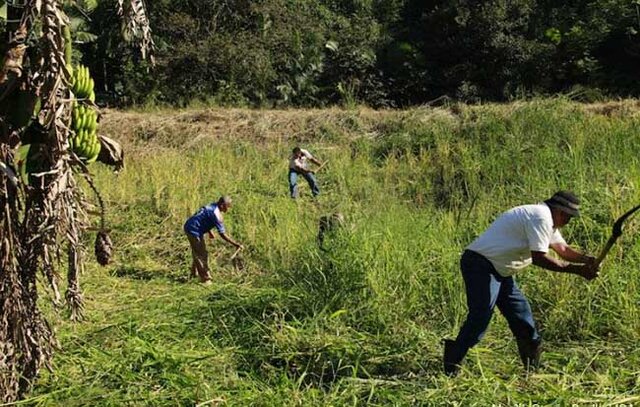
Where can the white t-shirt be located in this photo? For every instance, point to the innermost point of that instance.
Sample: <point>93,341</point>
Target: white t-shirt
<point>295,163</point>
<point>510,239</point>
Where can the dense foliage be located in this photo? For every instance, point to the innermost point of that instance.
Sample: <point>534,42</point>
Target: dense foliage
<point>378,52</point>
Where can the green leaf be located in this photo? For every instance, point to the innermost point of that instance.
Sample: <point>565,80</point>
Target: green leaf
<point>21,161</point>
<point>338,313</point>
<point>84,37</point>
<point>553,35</point>
<point>89,5</point>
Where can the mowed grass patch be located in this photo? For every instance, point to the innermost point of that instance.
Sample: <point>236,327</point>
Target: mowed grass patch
<point>360,322</point>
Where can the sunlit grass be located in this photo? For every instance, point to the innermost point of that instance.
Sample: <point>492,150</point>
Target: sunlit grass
<point>360,323</point>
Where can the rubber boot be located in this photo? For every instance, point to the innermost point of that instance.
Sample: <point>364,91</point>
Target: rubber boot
<point>451,359</point>
<point>530,351</point>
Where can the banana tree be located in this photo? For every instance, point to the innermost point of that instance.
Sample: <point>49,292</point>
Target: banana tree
<point>42,207</point>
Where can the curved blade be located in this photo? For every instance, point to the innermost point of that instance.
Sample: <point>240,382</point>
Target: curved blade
<point>615,233</point>
<point>617,227</point>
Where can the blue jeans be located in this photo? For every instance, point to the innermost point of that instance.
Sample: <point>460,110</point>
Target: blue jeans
<point>486,289</point>
<point>293,183</point>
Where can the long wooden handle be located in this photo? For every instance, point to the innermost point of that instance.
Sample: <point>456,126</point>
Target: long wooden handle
<point>233,256</point>
<point>605,250</point>
<point>321,166</point>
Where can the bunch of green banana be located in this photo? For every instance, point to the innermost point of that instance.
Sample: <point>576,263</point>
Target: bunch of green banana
<point>85,143</point>
<point>83,83</point>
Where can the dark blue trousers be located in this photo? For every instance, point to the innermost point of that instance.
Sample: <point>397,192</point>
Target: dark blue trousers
<point>293,183</point>
<point>485,290</point>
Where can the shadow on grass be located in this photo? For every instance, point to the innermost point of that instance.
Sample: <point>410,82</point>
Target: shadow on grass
<point>274,334</point>
<point>146,274</point>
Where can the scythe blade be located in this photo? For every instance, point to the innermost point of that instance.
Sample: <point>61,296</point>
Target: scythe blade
<point>615,233</point>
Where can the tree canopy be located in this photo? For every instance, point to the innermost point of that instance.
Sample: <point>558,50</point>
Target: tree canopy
<point>377,52</point>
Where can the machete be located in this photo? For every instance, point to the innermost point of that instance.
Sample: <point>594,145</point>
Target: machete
<point>615,234</point>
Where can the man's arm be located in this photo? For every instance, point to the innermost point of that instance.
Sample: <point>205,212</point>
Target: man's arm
<point>228,238</point>
<point>300,169</point>
<point>315,161</point>
<point>541,259</point>
<point>568,253</point>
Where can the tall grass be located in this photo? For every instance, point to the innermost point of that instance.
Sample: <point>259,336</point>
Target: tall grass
<point>359,323</point>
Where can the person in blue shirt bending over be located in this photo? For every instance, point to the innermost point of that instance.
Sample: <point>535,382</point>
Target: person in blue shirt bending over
<point>201,223</point>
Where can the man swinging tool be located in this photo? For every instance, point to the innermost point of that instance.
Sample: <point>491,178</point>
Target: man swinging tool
<point>298,165</point>
<point>517,238</point>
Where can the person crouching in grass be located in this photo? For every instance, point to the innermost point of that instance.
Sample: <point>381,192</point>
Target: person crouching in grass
<point>201,223</point>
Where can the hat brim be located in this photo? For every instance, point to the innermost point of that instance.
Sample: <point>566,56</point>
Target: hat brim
<point>567,210</point>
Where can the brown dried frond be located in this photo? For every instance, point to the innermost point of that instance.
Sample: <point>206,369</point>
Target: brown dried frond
<point>111,153</point>
<point>26,339</point>
<point>13,59</point>
<point>36,220</point>
<point>136,25</point>
<point>74,294</point>
<point>52,72</point>
<point>50,212</point>
<point>12,62</point>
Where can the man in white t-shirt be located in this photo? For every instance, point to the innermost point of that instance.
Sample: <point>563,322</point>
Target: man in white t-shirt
<point>519,237</point>
<point>298,166</point>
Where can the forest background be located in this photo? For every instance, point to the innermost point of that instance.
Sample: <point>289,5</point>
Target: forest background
<point>382,53</point>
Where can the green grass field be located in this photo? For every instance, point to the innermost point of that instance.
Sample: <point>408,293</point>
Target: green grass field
<point>360,324</point>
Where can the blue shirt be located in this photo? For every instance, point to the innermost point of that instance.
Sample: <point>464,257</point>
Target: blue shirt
<point>207,218</point>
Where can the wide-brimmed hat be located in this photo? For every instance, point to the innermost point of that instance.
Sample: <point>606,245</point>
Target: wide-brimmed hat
<point>566,201</point>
